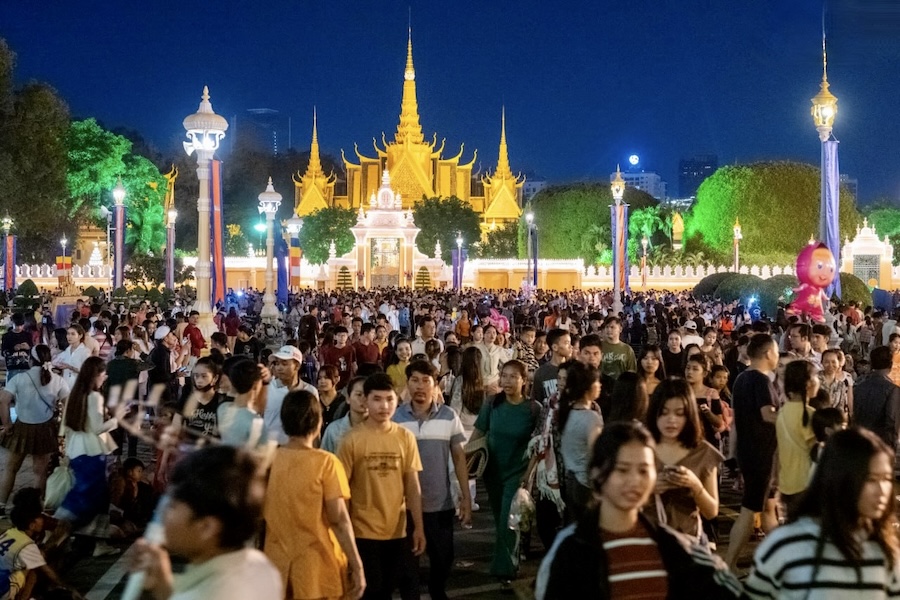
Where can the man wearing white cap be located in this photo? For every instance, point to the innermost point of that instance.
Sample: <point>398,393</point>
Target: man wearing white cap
<point>162,372</point>
<point>690,335</point>
<point>286,371</point>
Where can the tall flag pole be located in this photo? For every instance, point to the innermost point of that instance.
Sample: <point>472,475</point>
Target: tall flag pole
<point>217,235</point>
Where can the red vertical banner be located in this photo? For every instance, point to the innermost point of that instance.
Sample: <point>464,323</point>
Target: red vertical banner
<point>217,235</point>
<point>9,263</point>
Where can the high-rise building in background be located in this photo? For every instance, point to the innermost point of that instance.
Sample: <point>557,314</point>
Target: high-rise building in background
<point>851,183</point>
<point>263,129</point>
<point>533,184</point>
<point>647,181</point>
<point>693,171</point>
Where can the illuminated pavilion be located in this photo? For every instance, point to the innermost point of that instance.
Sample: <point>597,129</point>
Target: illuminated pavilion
<point>417,168</point>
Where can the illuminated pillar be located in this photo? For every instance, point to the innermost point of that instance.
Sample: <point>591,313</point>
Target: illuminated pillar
<point>119,221</point>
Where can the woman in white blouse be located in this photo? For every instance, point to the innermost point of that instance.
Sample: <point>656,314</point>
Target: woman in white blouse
<point>69,361</point>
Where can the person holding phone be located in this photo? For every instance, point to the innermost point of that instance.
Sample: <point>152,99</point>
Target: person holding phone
<point>708,402</point>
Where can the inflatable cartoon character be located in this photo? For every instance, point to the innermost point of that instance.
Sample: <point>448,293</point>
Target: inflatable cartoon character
<point>816,270</point>
<point>487,315</point>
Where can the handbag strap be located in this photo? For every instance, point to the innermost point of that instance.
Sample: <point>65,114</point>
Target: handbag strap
<point>49,405</point>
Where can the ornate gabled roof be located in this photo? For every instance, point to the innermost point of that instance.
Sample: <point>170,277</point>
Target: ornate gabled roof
<point>409,130</point>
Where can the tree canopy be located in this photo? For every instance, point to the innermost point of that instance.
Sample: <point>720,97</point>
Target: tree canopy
<point>886,221</point>
<point>443,219</point>
<point>501,242</point>
<point>777,204</point>
<point>325,225</point>
<point>573,221</point>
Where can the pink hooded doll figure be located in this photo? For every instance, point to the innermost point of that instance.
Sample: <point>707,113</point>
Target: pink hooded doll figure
<point>816,270</point>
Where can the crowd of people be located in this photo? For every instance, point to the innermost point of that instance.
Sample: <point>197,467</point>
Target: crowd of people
<point>328,465</point>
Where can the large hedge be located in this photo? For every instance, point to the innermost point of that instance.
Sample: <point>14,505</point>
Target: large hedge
<point>854,288</point>
<point>738,286</point>
<point>777,204</point>
<point>708,285</point>
<point>779,288</point>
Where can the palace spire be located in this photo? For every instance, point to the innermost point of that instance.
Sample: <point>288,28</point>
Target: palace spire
<point>315,162</point>
<point>503,171</point>
<point>409,129</point>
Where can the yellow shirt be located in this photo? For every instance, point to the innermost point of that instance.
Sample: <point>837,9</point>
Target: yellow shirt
<point>397,373</point>
<point>794,444</point>
<point>376,463</point>
<point>299,539</point>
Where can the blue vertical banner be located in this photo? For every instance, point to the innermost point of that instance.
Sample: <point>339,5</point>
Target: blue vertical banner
<point>9,263</point>
<point>619,221</point>
<point>281,278</point>
<point>217,235</point>
<point>829,211</point>
<point>119,248</point>
<point>454,261</point>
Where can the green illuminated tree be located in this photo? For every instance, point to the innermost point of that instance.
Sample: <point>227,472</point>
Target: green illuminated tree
<point>443,219</point>
<point>95,161</point>
<point>885,218</point>
<point>777,204</point>
<point>573,221</point>
<point>502,242</point>
<point>325,225</point>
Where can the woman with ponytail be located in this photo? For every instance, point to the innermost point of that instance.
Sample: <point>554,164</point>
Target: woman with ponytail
<point>580,423</point>
<point>795,433</point>
<point>36,393</point>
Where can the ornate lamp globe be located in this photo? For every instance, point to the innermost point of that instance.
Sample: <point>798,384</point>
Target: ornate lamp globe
<point>737,230</point>
<point>119,192</point>
<point>7,224</point>
<point>824,104</point>
<point>173,214</point>
<point>617,186</point>
<point>269,200</point>
<point>205,129</point>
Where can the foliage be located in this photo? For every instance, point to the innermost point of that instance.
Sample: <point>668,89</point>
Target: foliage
<point>323,226</point>
<point>854,288</point>
<point>236,242</point>
<point>574,220</point>
<point>91,291</point>
<point>777,204</point>
<point>150,269</point>
<point>739,287</point>
<point>501,242</point>
<point>779,288</point>
<point>95,160</point>
<point>885,218</point>
<point>708,285</point>
<point>33,125</point>
<point>442,220</point>
<point>145,205</point>
<point>654,222</point>
<point>28,289</point>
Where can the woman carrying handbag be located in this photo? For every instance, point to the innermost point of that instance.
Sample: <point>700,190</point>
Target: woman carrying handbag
<point>36,394</point>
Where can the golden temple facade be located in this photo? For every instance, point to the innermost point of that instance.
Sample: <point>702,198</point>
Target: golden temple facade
<point>418,168</point>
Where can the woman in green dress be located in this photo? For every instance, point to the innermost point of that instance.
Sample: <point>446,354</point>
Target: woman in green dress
<point>507,420</point>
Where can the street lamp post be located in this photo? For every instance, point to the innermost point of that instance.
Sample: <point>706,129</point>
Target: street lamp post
<point>269,201</point>
<point>644,243</point>
<point>737,246</point>
<point>205,130</point>
<point>170,248</point>
<point>619,219</point>
<point>119,220</point>
<point>824,110</point>
<point>64,280</point>
<point>251,254</point>
<point>9,255</point>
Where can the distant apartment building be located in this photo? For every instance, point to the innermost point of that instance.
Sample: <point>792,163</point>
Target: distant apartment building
<point>532,187</point>
<point>693,171</point>
<point>647,181</point>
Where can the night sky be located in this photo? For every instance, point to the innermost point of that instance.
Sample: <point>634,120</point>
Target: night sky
<point>585,83</point>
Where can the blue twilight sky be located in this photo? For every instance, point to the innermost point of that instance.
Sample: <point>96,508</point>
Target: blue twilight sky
<point>585,83</point>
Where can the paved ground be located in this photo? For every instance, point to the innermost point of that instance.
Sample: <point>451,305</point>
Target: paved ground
<point>102,578</point>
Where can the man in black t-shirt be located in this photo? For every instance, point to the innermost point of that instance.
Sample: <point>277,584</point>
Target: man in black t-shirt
<point>16,347</point>
<point>246,344</point>
<point>755,410</point>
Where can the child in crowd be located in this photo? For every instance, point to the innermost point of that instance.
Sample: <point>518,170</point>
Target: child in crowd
<point>131,498</point>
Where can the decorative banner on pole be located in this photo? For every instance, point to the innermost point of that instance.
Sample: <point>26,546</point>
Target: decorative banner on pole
<point>217,235</point>
<point>281,261</point>
<point>296,255</point>
<point>619,221</point>
<point>170,256</point>
<point>829,210</point>
<point>63,269</point>
<point>644,272</point>
<point>119,248</point>
<point>454,264</point>
<point>9,263</point>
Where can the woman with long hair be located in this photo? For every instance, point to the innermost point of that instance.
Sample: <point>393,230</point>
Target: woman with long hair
<point>309,524</point>
<point>842,540</point>
<point>507,421</point>
<point>651,369</point>
<point>613,551</point>
<point>580,423</point>
<point>36,393</point>
<point>399,360</point>
<point>87,444</point>
<point>629,399</point>
<point>793,427</point>
<point>200,400</point>
<point>695,371</point>
<point>467,396</point>
<point>333,403</point>
<point>687,488</point>
<point>69,361</point>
